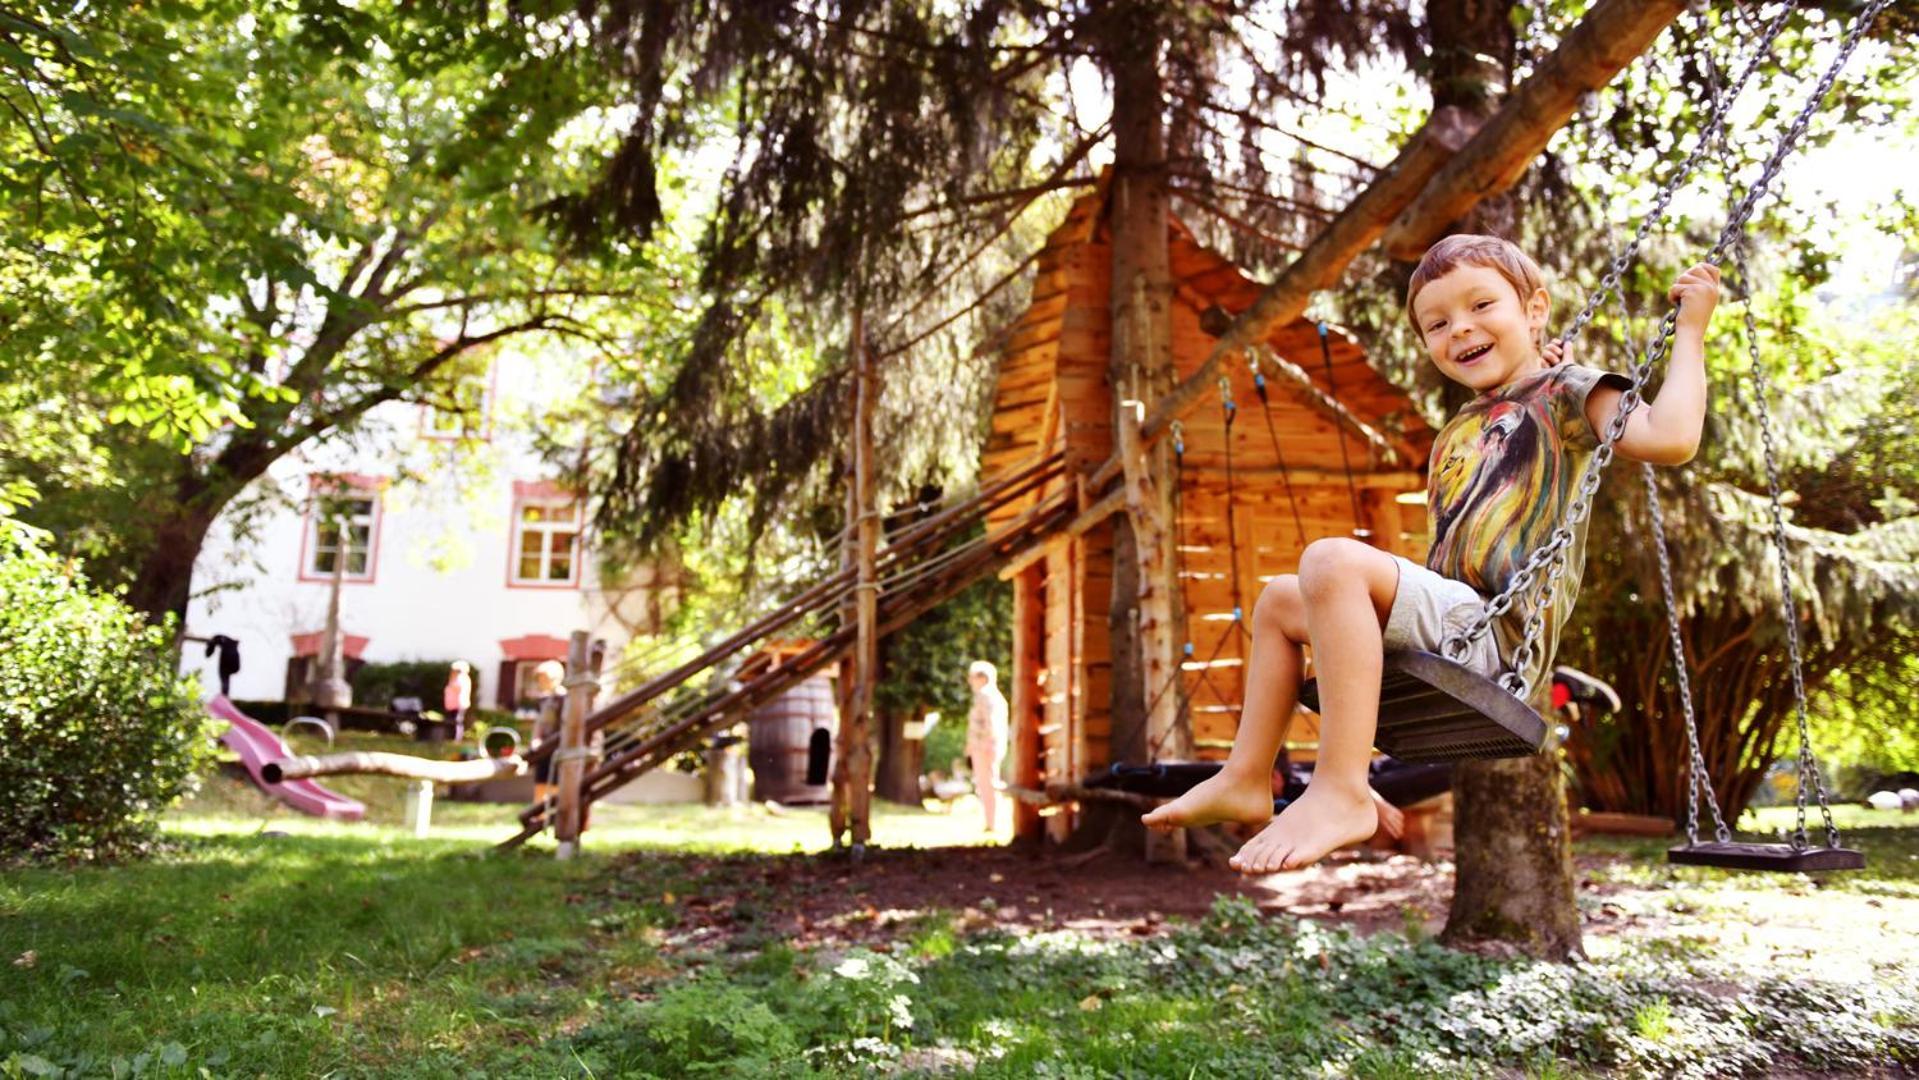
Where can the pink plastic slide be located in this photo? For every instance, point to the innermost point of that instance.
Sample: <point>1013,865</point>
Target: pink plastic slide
<point>257,745</point>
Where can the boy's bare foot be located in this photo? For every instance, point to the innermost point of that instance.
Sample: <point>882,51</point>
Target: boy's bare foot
<point>1323,820</point>
<point>1220,798</point>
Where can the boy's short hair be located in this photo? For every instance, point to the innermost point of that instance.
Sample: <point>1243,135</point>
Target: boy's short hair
<point>1473,249</point>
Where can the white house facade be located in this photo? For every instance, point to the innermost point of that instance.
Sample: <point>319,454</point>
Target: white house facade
<point>458,543</point>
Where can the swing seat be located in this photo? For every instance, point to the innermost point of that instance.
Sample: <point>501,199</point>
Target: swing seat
<point>1432,710</point>
<point>1783,858</point>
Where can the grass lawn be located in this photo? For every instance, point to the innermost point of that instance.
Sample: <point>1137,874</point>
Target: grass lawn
<point>691,941</point>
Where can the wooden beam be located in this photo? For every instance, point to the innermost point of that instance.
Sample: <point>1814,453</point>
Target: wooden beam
<point>1611,36</point>
<point>1326,257</point>
<point>1113,503</point>
<point>406,767</point>
<point>582,685</point>
<point>851,812</point>
<point>1305,477</point>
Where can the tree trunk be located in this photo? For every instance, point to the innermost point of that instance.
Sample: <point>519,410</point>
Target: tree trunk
<point>1513,863</point>
<point>163,580</point>
<point>898,779</point>
<point>1141,368</point>
<point>1514,882</point>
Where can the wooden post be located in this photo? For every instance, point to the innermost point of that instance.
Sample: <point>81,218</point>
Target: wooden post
<point>851,816</point>
<point>582,685</point>
<point>1167,734</point>
<point>419,807</point>
<point>1384,520</point>
<point>1029,632</point>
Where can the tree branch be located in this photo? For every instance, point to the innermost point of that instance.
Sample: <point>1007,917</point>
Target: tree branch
<point>1611,36</point>
<point>1484,160</point>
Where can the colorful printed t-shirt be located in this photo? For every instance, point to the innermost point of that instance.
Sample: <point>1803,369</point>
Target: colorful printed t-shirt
<point>1502,473</point>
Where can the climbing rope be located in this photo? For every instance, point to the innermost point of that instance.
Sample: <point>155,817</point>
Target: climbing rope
<point>1345,459</point>
<point>1272,432</point>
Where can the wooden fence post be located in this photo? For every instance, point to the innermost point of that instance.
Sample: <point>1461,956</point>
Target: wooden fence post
<point>582,685</point>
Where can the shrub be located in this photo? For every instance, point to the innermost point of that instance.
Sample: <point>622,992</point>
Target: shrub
<point>376,685</point>
<point>98,730</point>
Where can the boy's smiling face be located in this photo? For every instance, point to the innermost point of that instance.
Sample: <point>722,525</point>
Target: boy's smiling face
<point>1478,329</point>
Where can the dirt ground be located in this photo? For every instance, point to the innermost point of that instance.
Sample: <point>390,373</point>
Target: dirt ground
<point>826,899</point>
<point>813,900</point>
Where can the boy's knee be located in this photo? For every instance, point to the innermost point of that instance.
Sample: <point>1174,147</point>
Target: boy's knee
<point>1330,563</point>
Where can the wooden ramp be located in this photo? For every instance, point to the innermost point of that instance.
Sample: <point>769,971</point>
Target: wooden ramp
<point>925,565</point>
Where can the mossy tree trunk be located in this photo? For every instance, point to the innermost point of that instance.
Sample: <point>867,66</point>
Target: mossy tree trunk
<point>1147,621</point>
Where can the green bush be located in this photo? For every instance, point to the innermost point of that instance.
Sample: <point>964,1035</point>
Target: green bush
<point>98,730</point>
<point>376,685</point>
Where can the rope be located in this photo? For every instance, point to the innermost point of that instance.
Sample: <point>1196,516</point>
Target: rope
<point>1345,457</point>
<point>1285,475</point>
<point>1231,410</point>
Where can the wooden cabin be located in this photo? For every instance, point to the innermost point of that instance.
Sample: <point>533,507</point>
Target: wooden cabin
<point>1354,449</point>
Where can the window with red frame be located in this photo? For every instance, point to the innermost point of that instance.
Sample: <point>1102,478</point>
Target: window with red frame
<point>341,525</point>
<point>546,541</point>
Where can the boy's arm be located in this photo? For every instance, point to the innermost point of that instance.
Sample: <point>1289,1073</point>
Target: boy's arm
<point>1666,431</point>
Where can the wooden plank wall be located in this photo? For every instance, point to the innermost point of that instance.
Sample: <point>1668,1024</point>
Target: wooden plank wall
<point>1054,392</point>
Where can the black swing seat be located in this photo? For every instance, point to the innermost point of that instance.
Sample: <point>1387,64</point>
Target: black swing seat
<point>1432,710</point>
<point>1738,855</point>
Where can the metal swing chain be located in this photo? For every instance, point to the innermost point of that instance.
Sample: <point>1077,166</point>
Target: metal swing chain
<point>1551,555</point>
<point>1808,765</point>
<point>1788,610</point>
<point>1698,783</point>
<point>1699,777</point>
<point>1715,121</point>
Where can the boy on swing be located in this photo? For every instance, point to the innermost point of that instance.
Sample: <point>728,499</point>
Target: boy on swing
<point>1502,473</point>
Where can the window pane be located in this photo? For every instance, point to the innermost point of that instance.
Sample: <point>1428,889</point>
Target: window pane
<point>356,561</point>
<point>567,512</point>
<point>561,568</point>
<point>529,567</point>
<point>532,512</point>
<point>323,561</point>
<point>360,508</point>
<point>530,544</point>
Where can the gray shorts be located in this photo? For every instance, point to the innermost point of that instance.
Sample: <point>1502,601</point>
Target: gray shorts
<point>1428,606</point>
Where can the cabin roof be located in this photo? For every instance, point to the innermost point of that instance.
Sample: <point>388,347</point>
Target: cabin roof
<point>1051,388</point>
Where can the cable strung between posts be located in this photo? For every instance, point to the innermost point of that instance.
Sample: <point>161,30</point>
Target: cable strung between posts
<point>1345,459</point>
<point>1285,475</point>
<point>1231,410</point>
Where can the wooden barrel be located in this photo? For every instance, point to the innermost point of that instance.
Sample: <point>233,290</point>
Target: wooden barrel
<point>790,744</point>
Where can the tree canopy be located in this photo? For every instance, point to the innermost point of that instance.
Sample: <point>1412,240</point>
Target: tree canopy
<point>235,228</point>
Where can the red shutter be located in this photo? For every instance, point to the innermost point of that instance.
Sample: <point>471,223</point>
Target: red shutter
<point>507,691</point>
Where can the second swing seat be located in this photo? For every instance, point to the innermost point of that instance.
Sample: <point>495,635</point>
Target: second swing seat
<point>1434,710</point>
